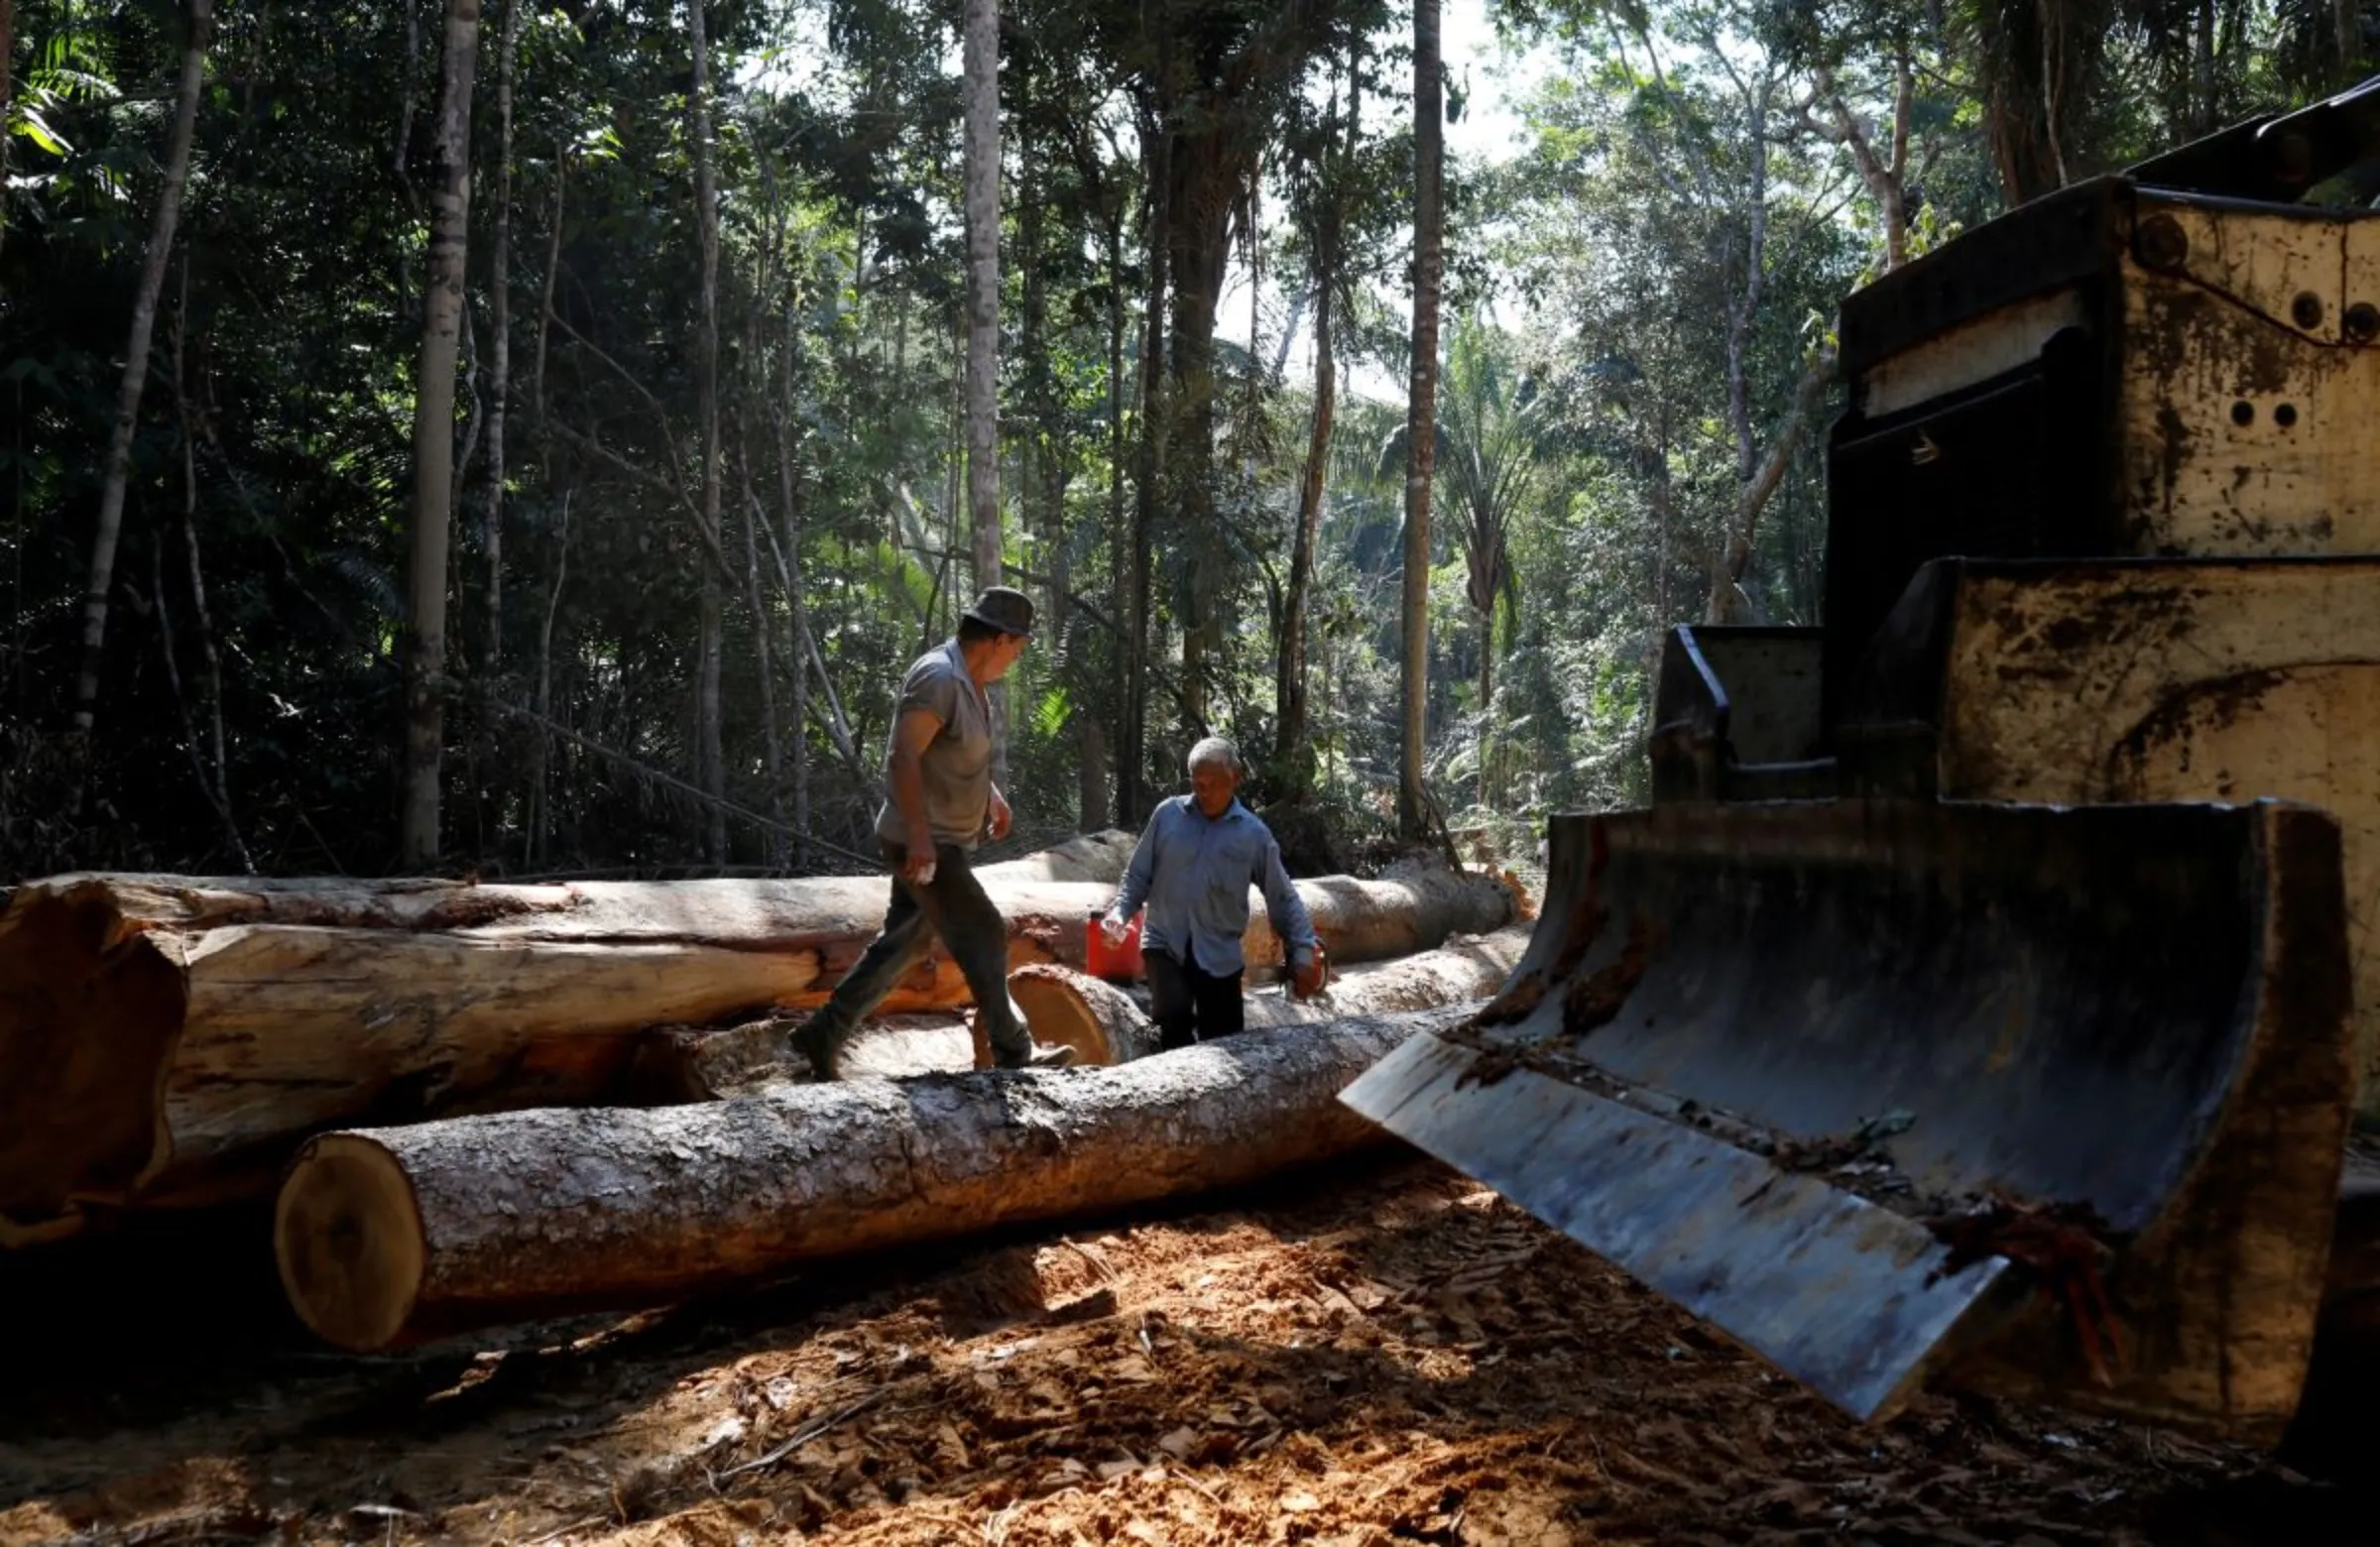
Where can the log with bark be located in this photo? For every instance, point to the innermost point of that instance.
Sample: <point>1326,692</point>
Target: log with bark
<point>1105,1025</point>
<point>165,1042</point>
<point>396,1235</point>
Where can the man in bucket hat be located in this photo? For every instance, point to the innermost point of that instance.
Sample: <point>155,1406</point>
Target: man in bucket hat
<point>938,762</point>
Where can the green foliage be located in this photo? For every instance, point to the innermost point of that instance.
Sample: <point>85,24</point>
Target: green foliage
<point>1615,355</point>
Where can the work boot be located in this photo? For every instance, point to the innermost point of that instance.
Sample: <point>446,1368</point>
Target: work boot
<point>810,1040</point>
<point>1041,1055</point>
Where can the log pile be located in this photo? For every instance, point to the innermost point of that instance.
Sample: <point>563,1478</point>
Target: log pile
<point>167,1041</point>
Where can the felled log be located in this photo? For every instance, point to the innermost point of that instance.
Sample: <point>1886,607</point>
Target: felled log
<point>392,1236</point>
<point>1414,905</point>
<point>1104,1024</point>
<point>166,1040</point>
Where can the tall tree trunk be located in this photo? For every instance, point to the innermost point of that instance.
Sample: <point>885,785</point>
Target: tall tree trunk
<point>707,710</point>
<point>500,385</point>
<point>433,439</point>
<point>1132,798</point>
<point>981,65</point>
<point>1421,420</point>
<point>2347,16</point>
<point>1119,537</point>
<point>1293,752</point>
<point>1209,171</point>
<point>136,362</point>
<point>1293,747</point>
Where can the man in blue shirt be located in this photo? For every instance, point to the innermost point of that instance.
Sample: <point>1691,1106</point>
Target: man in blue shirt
<point>1193,867</point>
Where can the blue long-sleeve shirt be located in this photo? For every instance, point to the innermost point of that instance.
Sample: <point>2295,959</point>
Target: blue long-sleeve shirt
<point>1193,871</point>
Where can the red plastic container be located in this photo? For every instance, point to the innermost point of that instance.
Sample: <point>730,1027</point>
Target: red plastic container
<point>1115,963</point>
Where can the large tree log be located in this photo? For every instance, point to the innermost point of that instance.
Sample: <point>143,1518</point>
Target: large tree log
<point>392,1236</point>
<point>166,1040</point>
<point>1104,1024</point>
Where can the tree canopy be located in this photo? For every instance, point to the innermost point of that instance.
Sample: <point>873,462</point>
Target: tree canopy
<point>705,403</point>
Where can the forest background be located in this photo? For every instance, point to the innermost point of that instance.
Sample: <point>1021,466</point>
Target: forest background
<point>534,437</point>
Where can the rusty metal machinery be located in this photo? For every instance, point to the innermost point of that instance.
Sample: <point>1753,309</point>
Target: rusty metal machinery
<point>1989,993</point>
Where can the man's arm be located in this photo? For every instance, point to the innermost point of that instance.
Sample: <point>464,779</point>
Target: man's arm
<point>911,735</point>
<point>1289,917</point>
<point>1138,875</point>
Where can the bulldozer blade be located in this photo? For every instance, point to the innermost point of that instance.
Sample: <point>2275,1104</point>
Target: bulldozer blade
<point>2040,1099</point>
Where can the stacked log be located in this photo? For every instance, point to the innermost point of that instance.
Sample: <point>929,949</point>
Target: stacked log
<point>165,1042</point>
<point>390,1235</point>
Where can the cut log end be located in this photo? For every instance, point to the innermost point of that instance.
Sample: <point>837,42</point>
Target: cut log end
<point>347,1232</point>
<point>1098,1020</point>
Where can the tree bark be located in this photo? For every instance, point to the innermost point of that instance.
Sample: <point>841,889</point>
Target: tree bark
<point>136,359</point>
<point>398,1235</point>
<point>1104,1024</point>
<point>1429,127</point>
<point>434,442</point>
<point>981,53</point>
<point>164,1037</point>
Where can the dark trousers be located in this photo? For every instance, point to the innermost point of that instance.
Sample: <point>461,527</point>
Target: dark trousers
<point>954,908</point>
<point>1191,1006</point>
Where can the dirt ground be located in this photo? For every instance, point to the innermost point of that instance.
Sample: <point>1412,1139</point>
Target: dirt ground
<point>1372,1353</point>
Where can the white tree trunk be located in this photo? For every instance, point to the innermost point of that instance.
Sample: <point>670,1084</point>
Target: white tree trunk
<point>433,440</point>
<point>390,1235</point>
<point>136,359</point>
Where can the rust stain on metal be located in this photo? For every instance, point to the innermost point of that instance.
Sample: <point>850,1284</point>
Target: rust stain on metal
<point>1596,999</point>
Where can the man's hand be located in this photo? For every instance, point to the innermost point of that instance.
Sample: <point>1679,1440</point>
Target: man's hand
<point>1113,927</point>
<point>918,865</point>
<point>1307,979</point>
<point>1001,816</point>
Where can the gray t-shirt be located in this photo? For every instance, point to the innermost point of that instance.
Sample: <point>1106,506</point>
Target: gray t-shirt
<point>957,763</point>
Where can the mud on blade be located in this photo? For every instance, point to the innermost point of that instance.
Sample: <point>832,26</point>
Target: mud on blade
<point>2037,1099</point>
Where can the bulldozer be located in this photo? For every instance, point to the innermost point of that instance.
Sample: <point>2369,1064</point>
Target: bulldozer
<point>1987,998</point>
